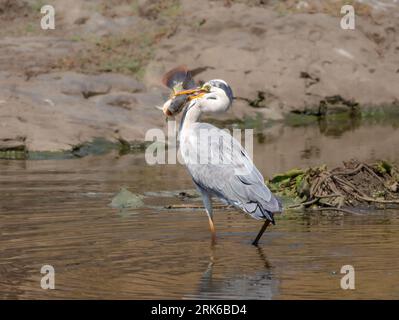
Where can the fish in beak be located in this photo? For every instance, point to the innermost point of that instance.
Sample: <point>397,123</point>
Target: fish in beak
<point>179,99</point>
<point>175,105</point>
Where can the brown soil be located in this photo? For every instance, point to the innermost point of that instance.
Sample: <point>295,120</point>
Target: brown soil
<point>278,57</point>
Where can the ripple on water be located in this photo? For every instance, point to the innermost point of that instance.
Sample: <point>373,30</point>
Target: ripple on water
<point>57,212</point>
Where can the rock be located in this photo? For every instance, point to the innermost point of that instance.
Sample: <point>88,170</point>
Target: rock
<point>13,148</point>
<point>81,20</point>
<point>122,100</point>
<point>126,199</point>
<point>31,55</point>
<point>148,8</point>
<point>104,26</point>
<point>298,59</point>
<point>60,110</point>
<point>120,82</point>
<point>76,84</point>
<point>91,85</point>
<point>17,143</point>
<point>100,25</point>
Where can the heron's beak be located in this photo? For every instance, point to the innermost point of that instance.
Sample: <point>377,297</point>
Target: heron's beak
<point>179,99</point>
<point>191,93</point>
<point>188,92</point>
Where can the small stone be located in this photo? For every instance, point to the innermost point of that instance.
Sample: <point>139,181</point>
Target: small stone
<point>126,199</point>
<point>394,187</point>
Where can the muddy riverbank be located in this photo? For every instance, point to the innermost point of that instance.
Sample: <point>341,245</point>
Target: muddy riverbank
<point>97,75</point>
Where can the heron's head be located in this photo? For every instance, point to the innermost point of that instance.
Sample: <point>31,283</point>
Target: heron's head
<point>218,85</point>
<point>213,96</point>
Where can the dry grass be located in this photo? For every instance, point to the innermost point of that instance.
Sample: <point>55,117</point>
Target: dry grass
<point>330,7</point>
<point>128,53</point>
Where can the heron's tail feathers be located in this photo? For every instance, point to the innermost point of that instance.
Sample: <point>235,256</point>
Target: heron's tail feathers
<point>263,212</point>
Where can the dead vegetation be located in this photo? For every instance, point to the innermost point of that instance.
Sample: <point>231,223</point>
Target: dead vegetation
<point>130,51</point>
<point>356,184</point>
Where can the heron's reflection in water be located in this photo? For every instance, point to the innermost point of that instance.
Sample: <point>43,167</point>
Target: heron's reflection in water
<point>254,283</point>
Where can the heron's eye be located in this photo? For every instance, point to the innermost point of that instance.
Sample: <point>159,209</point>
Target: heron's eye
<point>206,87</point>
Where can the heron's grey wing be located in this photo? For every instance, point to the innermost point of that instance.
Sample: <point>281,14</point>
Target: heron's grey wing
<point>233,176</point>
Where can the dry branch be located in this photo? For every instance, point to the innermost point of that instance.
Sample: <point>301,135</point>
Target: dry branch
<point>354,184</point>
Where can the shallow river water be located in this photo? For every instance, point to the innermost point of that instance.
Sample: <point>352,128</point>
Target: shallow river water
<point>57,212</point>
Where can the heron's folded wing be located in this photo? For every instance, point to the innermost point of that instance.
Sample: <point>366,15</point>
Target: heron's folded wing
<point>229,171</point>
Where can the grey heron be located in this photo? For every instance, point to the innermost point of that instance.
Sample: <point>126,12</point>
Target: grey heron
<point>233,178</point>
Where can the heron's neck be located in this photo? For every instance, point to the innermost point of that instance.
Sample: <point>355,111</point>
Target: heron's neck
<point>190,116</point>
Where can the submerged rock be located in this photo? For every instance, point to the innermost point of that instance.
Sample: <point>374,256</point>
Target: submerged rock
<point>126,199</point>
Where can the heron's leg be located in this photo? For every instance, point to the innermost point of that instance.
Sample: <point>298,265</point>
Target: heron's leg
<point>208,208</point>
<point>262,230</point>
<point>213,232</point>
